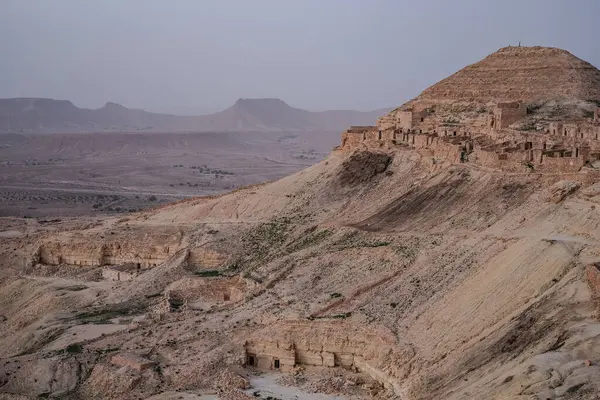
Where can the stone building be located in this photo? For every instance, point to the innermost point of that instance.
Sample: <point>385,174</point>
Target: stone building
<point>125,272</point>
<point>506,114</point>
<point>324,344</point>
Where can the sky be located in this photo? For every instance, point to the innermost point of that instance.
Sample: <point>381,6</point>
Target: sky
<point>200,56</point>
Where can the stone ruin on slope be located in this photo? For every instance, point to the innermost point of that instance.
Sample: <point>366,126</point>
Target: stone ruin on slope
<point>552,128</point>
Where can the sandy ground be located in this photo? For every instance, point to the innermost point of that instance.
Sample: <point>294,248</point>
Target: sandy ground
<point>266,385</point>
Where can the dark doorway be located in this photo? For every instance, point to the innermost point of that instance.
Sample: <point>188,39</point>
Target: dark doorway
<point>251,360</point>
<point>276,364</point>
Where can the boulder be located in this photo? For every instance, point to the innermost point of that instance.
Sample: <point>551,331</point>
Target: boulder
<point>559,191</point>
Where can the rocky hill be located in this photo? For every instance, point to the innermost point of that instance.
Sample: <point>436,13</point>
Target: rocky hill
<point>434,281</point>
<point>47,115</point>
<point>520,74</point>
<point>380,272</point>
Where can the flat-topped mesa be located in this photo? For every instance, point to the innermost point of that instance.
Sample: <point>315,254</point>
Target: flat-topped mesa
<point>499,113</point>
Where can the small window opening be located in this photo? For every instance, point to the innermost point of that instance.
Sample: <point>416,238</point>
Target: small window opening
<point>379,135</point>
<point>251,360</point>
<point>422,119</point>
<point>276,363</point>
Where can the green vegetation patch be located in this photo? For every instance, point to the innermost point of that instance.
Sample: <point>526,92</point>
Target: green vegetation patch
<point>104,315</point>
<point>353,240</point>
<point>74,348</point>
<point>208,273</point>
<point>261,241</point>
<point>312,237</point>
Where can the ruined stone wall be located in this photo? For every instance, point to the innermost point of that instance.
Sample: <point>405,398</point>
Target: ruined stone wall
<point>211,289</point>
<point>97,253</point>
<point>386,122</point>
<point>263,355</point>
<point>407,120</point>
<point>511,150</point>
<point>446,151</point>
<point>79,253</point>
<point>531,160</point>
<point>506,114</point>
<point>113,274</point>
<point>331,344</point>
<point>204,258</point>
<point>560,164</point>
<point>351,140</point>
<point>575,134</point>
<point>510,162</point>
<point>404,120</point>
<point>110,274</point>
<point>369,140</point>
<point>555,128</point>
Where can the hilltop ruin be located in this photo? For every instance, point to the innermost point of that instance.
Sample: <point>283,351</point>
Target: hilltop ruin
<point>505,112</point>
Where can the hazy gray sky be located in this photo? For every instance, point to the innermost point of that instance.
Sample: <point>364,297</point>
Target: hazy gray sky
<point>186,56</point>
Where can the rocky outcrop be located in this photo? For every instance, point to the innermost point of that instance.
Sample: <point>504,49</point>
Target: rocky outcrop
<point>211,290</point>
<point>373,351</point>
<point>559,191</point>
<point>92,253</point>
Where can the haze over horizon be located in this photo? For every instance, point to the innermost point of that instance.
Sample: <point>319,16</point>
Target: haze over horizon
<point>196,57</point>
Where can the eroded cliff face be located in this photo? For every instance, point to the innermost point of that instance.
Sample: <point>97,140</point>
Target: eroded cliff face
<point>141,247</point>
<point>368,349</point>
<point>86,253</point>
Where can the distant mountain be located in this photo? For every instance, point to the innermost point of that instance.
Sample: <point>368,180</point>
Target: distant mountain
<point>47,115</point>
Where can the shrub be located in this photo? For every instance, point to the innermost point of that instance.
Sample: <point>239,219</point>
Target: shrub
<point>342,316</point>
<point>74,348</point>
<point>208,273</point>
